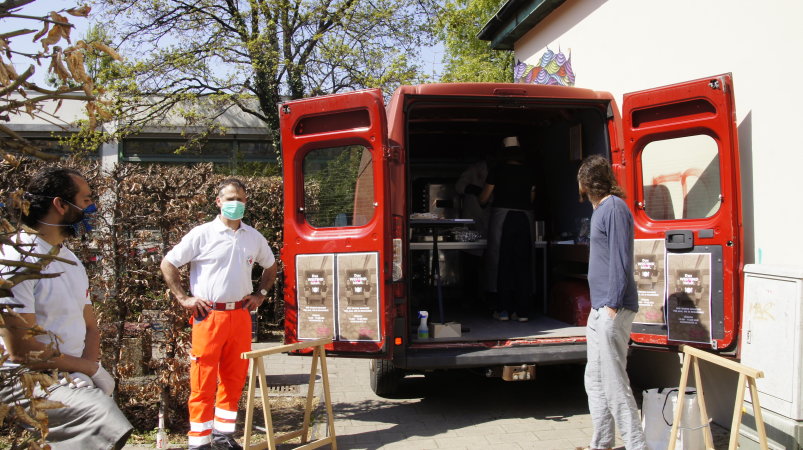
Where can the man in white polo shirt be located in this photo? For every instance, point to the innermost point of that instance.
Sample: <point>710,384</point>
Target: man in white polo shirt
<point>221,254</point>
<point>60,201</point>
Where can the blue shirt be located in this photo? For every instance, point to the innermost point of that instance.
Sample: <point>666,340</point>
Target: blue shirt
<point>610,260</point>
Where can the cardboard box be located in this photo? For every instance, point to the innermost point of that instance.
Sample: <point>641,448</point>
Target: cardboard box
<point>444,330</point>
<point>518,373</point>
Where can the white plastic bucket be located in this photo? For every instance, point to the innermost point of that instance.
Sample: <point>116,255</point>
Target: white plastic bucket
<point>658,412</point>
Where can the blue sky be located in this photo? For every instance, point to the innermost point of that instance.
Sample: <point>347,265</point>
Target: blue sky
<point>24,44</point>
<point>430,56</point>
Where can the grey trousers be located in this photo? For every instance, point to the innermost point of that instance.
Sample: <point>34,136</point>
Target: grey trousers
<point>610,399</point>
<point>91,419</point>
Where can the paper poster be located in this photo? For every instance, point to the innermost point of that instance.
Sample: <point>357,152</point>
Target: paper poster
<point>358,297</point>
<point>316,293</point>
<point>650,280</point>
<point>689,299</point>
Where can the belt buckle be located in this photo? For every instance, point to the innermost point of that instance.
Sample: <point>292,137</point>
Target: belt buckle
<point>230,305</point>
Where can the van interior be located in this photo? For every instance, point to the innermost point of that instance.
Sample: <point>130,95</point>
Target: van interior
<point>444,138</point>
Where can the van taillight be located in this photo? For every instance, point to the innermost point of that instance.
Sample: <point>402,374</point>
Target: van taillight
<point>398,232</point>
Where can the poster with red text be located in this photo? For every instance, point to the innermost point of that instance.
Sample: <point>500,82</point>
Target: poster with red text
<point>316,293</point>
<point>358,297</point>
<point>689,297</point>
<point>650,276</point>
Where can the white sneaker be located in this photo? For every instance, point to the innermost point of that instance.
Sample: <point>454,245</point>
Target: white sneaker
<point>515,317</point>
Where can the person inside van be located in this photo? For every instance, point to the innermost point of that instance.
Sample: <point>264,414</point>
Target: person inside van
<point>469,186</point>
<point>509,254</point>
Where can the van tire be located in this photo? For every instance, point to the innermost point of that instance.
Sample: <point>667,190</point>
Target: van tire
<point>385,377</point>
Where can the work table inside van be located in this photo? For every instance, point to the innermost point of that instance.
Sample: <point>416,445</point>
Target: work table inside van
<point>570,260</point>
<point>450,245</point>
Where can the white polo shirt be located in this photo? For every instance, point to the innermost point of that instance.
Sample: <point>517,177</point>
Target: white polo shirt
<point>221,260</point>
<point>59,302</point>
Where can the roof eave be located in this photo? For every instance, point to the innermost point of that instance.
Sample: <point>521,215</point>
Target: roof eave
<point>514,19</point>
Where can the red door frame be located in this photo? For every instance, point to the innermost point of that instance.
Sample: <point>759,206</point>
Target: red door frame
<point>325,122</point>
<point>704,106</point>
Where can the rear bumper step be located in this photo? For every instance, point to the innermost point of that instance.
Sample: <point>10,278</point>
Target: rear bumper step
<point>451,358</point>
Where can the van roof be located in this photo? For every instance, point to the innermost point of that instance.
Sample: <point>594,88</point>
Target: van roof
<point>504,90</point>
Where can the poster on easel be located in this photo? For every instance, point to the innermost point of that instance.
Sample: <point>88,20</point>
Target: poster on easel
<point>316,294</point>
<point>689,297</point>
<point>650,276</point>
<point>358,297</point>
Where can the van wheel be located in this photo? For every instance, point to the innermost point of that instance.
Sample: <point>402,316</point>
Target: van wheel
<point>385,377</point>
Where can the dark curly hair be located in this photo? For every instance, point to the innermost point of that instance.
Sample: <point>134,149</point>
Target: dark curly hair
<point>597,180</point>
<point>44,187</point>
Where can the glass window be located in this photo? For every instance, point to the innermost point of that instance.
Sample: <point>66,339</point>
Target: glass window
<point>339,186</point>
<point>232,150</point>
<point>257,150</point>
<point>54,144</point>
<point>681,178</point>
<point>168,147</point>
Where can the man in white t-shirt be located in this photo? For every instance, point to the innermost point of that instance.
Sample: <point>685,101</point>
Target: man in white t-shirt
<point>60,202</point>
<point>221,254</point>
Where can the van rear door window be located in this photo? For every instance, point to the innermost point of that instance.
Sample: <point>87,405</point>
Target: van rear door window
<point>339,186</point>
<point>680,177</point>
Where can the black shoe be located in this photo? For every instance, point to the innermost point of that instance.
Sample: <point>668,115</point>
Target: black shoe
<point>224,441</point>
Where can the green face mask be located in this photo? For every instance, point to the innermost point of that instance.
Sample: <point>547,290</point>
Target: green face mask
<point>233,210</point>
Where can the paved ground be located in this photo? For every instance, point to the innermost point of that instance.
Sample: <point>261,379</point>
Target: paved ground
<point>460,410</point>
<point>454,410</point>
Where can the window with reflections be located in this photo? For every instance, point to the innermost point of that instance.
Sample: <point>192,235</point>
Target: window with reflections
<point>166,149</point>
<point>339,186</point>
<point>680,178</point>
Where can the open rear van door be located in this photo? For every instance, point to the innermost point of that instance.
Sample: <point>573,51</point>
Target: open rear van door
<point>681,164</point>
<point>335,221</point>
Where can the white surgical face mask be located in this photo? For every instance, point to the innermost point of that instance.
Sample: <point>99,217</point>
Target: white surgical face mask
<point>233,209</point>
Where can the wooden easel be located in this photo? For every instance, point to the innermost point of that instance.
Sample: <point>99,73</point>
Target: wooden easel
<point>258,370</point>
<point>746,375</point>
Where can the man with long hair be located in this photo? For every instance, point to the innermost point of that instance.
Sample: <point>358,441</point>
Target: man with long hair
<point>60,205</point>
<point>614,303</point>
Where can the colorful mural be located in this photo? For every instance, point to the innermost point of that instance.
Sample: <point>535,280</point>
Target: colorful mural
<point>553,69</point>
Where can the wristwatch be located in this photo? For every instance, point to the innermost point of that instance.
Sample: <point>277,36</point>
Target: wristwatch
<point>263,292</point>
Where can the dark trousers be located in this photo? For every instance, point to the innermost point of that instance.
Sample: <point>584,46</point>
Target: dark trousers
<point>515,275</point>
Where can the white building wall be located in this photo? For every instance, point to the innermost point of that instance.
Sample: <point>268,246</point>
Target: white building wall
<point>628,45</point>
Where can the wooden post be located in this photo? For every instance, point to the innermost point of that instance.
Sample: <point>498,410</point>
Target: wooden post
<point>258,370</point>
<point>249,411</point>
<point>747,375</point>
<point>709,438</point>
<point>684,378</point>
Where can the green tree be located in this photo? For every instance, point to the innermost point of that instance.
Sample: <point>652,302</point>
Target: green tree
<point>198,59</point>
<point>468,59</point>
<point>19,94</point>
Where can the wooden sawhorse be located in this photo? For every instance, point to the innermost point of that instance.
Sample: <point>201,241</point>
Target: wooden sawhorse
<point>257,369</point>
<point>747,375</point>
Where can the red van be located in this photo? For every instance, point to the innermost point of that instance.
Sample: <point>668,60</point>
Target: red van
<point>375,230</point>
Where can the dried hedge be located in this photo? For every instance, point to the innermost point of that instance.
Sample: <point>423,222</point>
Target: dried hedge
<point>144,210</point>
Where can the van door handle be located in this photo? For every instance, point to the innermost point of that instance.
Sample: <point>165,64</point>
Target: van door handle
<point>679,240</point>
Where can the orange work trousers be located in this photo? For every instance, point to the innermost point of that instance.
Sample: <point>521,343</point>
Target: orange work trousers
<point>217,373</point>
